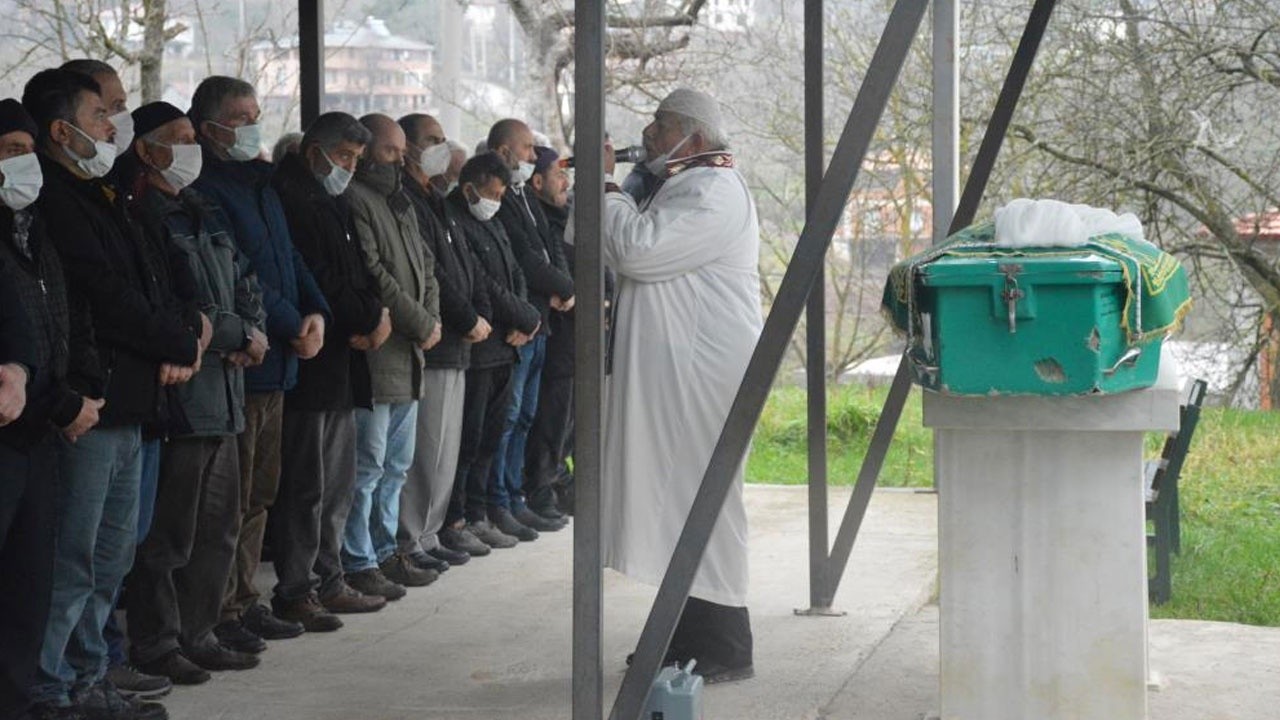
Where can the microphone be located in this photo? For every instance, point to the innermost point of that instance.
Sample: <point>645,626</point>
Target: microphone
<point>630,154</point>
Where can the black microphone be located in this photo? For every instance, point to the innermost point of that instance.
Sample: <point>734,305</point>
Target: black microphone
<point>630,154</point>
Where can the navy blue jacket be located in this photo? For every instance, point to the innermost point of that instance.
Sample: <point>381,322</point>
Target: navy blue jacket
<point>289,291</point>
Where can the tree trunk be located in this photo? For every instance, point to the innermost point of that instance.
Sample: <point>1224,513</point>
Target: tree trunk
<point>151,59</point>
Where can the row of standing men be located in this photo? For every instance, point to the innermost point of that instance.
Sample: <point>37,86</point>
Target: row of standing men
<point>365,338</point>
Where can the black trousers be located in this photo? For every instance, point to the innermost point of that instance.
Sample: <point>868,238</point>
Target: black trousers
<point>28,483</point>
<point>317,475</point>
<point>484,417</point>
<point>175,590</point>
<point>549,439</point>
<point>713,634</point>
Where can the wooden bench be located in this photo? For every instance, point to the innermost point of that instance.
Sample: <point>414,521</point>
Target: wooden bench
<point>1161,476</point>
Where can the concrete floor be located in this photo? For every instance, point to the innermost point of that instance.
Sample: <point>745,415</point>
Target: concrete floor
<point>492,640</point>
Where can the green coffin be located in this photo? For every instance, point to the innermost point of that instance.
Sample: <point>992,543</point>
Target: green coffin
<point>1028,325</point>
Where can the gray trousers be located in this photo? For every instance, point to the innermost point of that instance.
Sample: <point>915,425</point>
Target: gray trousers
<point>317,474</point>
<point>425,498</point>
<point>181,568</point>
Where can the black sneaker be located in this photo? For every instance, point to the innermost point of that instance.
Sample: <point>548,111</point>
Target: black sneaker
<point>103,701</point>
<point>448,555</point>
<point>426,561</point>
<point>529,518</point>
<point>507,524</point>
<point>259,620</point>
<point>175,666</point>
<point>233,634</point>
<point>217,657</point>
<point>462,540</point>
<point>132,682</point>
<point>400,569</point>
<point>373,582</point>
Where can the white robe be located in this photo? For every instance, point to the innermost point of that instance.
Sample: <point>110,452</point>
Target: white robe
<point>687,320</point>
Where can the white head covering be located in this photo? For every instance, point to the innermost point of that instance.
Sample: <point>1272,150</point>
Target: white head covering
<point>695,105</point>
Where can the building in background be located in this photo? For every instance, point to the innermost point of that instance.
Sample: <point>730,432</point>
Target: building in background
<point>368,69</point>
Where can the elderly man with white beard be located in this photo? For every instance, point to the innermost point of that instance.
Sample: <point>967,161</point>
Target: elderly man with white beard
<point>686,320</point>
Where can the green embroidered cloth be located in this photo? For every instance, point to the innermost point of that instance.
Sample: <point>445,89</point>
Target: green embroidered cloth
<point>1157,297</point>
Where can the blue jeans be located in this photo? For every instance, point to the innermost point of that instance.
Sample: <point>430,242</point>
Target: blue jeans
<point>96,534</point>
<point>507,477</point>
<point>384,449</point>
<point>146,508</point>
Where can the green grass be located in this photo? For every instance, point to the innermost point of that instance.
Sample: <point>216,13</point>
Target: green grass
<point>779,455</point>
<point>1229,569</point>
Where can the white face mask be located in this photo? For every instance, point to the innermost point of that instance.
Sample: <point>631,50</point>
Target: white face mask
<point>248,141</point>
<point>525,172</point>
<point>483,209</point>
<point>452,186</point>
<point>100,163</point>
<point>435,159</point>
<point>658,165</point>
<point>337,179</point>
<point>187,162</point>
<point>22,181</point>
<point>123,123</point>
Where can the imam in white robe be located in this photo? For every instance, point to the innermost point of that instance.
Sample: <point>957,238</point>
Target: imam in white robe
<point>687,319</point>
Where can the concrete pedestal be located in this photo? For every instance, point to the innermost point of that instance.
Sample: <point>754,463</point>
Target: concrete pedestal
<point>1042,552</point>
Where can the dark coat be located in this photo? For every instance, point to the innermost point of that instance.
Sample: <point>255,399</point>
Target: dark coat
<point>338,377</point>
<point>463,296</point>
<point>503,280</point>
<point>60,348</point>
<point>137,323</point>
<point>289,292</point>
<point>540,257</point>
<point>215,277</point>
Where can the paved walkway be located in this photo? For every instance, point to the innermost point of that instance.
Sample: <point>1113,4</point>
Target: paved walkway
<point>492,639</point>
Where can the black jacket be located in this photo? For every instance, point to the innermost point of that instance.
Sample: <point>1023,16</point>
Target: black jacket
<point>338,377</point>
<point>209,272</point>
<point>137,323</point>
<point>60,348</point>
<point>540,257</point>
<point>463,295</point>
<point>503,280</point>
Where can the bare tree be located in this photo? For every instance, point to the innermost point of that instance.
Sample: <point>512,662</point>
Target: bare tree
<point>55,31</point>
<point>1158,106</point>
<point>639,34</point>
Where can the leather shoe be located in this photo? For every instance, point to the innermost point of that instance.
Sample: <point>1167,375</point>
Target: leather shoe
<point>453,557</point>
<point>233,634</point>
<point>216,657</point>
<point>175,666</point>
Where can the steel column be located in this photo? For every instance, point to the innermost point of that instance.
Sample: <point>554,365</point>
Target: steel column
<point>975,187</point>
<point>946,116</point>
<point>805,266</point>
<point>816,315</point>
<point>311,58</point>
<point>588,379</point>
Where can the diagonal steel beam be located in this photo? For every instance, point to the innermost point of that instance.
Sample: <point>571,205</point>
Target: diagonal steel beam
<point>810,255</point>
<point>588,378</point>
<point>974,188</point>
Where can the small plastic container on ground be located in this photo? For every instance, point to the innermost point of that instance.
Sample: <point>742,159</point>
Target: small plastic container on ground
<point>676,694</point>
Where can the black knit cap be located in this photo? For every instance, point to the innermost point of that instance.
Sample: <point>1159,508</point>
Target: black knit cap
<point>14,117</point>
<point>153,115</point>
<point>546,157</point>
